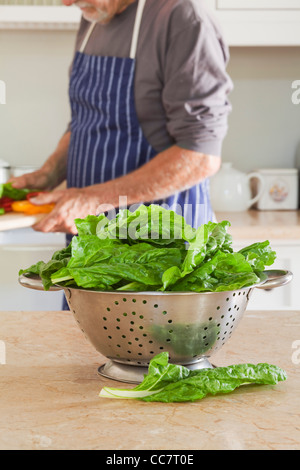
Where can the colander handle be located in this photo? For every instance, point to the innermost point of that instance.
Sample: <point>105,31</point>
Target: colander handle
<point>33,281</point>
<point>276,278</point>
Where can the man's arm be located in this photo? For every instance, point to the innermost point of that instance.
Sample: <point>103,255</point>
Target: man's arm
<point>172,170</point>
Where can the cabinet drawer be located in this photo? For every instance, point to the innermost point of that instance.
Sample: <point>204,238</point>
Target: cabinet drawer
<point>258,4</point>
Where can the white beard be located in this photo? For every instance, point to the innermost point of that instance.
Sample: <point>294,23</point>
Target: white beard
<point>95,14</point>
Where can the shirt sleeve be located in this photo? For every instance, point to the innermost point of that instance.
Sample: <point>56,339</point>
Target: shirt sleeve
<point>196,88</point>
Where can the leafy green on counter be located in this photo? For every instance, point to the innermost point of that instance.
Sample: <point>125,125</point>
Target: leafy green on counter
<point>169,383</point>
<point>6,190</point>
<point>153,249</point>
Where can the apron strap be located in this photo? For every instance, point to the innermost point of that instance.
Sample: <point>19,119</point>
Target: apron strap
<point>135,34</point>
<point>87,37</point>
<point>136,28</point>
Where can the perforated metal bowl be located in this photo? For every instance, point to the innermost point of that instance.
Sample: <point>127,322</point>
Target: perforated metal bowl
<point>130,328</point>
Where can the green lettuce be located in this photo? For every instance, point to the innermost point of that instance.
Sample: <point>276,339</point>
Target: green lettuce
<point>168,383</point>
<point>153,249</point>
<point>112,263</point>
<point>44,270</point>
<point>6,190</point>
<point>154,224</point>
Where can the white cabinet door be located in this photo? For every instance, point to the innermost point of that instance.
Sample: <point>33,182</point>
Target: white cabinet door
<point>39,17</point>
<point>258,4</point>
<point>258,22</point>
<point>280,298</point>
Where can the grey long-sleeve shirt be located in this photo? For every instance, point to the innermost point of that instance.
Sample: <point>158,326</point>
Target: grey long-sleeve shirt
<point>181,83</point>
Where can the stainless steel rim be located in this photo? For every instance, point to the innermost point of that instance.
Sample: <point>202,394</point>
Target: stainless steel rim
<point>274,278</point>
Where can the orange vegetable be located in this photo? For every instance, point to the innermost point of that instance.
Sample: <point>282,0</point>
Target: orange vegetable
<point>28,208</point>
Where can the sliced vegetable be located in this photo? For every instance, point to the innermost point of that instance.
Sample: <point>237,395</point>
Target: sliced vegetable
<point>34,194</point>
<point>168,383</point>
<point>28,208</point>
<point>12,199</point>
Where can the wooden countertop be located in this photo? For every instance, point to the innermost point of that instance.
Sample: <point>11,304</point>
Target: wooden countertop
<point>254,224</point>
<point>49,389</point>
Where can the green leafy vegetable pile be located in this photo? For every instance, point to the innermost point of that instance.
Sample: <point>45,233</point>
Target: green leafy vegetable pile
<point>168,383</point>
<point>6,190</point>
<point>153,249</point>
<point>8,195</point>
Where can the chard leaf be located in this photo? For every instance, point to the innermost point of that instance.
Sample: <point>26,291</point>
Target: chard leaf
<point>259,255</point>
<point>152,248</point>
<point>58,261</point>
<point>153,223</point>
<point>90,225</point>
<point>173,383</point>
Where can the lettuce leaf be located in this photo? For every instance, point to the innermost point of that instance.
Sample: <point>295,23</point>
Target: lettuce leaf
<point>6,190</point>
<point>112,263</point>
<point>44,270</point>
<point>154,224</point>
<point>169,383</point>
<point>153,248</point>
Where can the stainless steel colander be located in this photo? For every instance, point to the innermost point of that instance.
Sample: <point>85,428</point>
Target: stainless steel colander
<point>130,328</point>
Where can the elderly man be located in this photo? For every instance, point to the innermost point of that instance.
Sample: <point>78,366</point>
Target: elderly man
<point>149,101</point>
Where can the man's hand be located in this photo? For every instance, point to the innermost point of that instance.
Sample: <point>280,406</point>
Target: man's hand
<point>69,204</point>
<point>40,180</point>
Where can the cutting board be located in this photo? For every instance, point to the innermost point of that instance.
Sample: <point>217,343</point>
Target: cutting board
<point>13,221</point>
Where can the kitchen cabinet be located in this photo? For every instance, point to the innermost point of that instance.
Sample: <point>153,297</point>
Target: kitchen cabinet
<point>244,22</point>
<point>282,229</point>
<point>39,17</point>
<point>20,249</point>
<point>280,298</point>
<point>258,22</point>
<point>258,4</point>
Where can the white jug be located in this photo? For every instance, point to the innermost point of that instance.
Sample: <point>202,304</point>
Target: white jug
<point>230,189</point>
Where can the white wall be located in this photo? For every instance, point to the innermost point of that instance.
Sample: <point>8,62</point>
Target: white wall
<point>264,125</point>
<point>34,65</point>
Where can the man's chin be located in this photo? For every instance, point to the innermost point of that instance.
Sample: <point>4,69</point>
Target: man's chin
<point>95,17</point>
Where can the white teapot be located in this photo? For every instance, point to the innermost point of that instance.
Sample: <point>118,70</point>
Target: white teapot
<point>230,189</point>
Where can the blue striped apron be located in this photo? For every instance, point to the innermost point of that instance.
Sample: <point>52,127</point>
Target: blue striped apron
<point>107,140</point>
